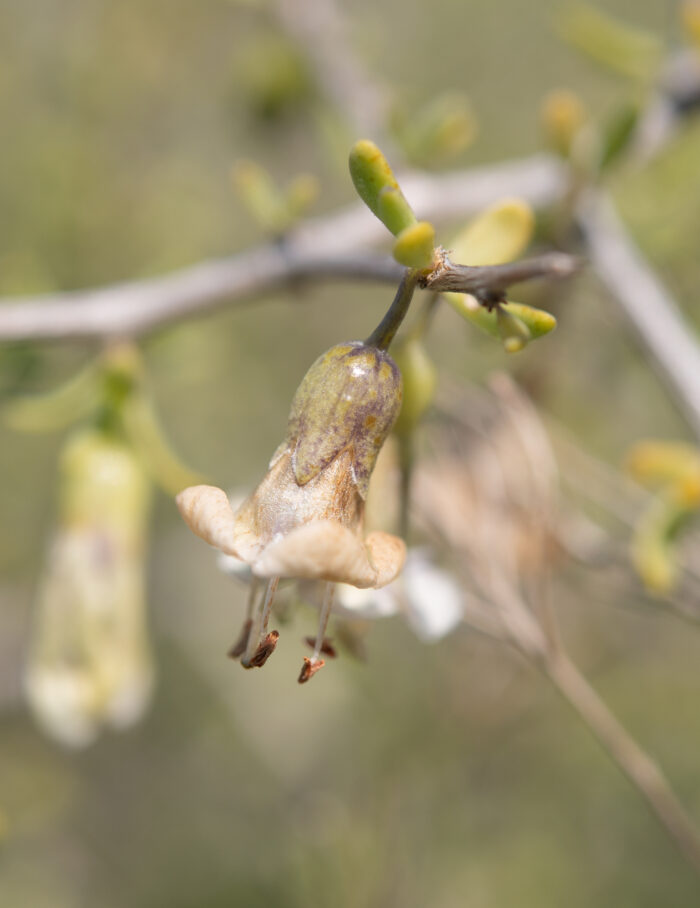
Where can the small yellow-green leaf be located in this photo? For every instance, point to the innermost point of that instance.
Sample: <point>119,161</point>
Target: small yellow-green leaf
<point>655,463</point>
<point>419,382</point>
<point>394,211</point>
<point>628,50</point>
<point>537,321</point>
<point>147,438</point>
<point>618,133</point>
<point>654,542</point>
<point>442,129</point>
<point>261,197</point>
<point>370,172</point>
<point>500,234</point>
<point>301,193</point>
<point>514,332</point>
<point>690,17</point>
<point>58,408</point>
<point>415,246</point>
<point>562,116</point>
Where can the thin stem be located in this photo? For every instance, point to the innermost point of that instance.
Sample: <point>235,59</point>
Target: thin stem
<point>630,757</point>
<point>328,599</point>
<point>406,459</point>
<point>384,333</point>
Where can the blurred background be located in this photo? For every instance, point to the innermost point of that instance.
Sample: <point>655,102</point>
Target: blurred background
<point>448,774</point>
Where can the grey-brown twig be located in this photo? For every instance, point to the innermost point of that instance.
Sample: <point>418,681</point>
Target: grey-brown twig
<point>321,248</point>
<point>653,314</point>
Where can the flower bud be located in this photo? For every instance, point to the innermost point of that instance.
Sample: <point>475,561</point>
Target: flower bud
<point>348,400</point>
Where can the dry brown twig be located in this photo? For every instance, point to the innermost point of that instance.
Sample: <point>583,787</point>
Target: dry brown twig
<point>491,498</point>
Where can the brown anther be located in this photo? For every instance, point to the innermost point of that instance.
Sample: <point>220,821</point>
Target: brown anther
<point>239,646</point>
<point>309,669</point>
<point>327,647</point>
<point>264,651</point>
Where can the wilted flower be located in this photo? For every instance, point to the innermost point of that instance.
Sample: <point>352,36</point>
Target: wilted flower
<point>89,663</point>
<point>305,519</point>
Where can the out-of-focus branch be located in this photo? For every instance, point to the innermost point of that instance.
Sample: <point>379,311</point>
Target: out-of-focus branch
<point>320,249</point>
<point>320,28</point>
<point>632,759</point>
<point>652,312</point>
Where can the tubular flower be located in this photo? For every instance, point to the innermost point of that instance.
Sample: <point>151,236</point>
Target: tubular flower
<point>305,519</point>
<point>89,662</point>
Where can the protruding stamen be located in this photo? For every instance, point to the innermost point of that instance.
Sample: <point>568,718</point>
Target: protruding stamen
<point>309,669</point>
<point>312,665</point>
<point>328,599</point>
<point>327,648</point>
<point>239,647</point>
<point>267,605</point>
<point>265,650</point>
<point>260,644</point>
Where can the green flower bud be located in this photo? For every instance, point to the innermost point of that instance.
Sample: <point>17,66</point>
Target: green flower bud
<point>347,401</point>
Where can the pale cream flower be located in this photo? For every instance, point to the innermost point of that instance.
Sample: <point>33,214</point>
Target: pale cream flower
<point>89,663</point>
<point>305,520</point>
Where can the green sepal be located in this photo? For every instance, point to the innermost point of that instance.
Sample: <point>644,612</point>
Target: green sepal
<point>415,246</point>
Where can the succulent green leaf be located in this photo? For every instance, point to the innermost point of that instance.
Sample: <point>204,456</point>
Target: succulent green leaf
<point>442,129</point>
<point>500,234</point>
<point>262,198</point>
<point>70,402</point>
<point>394,211</point>
<point>537,321</point>
<point>654,463</point>
<point>654,542</point>
<point>372,175</point>
<point>629,51</point>
<point>301,193</point>
<point>618,133</point>
<point>562,116</point>
<point>415,246</point>
<point>513,331</point>
<point>148,440</point>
